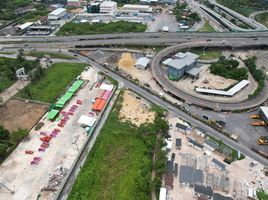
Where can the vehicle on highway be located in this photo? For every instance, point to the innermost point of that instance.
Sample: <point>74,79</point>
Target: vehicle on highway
<point>170,126</point>
<point>76,55</point>
<point>208,40</point>
<point>188,38</point>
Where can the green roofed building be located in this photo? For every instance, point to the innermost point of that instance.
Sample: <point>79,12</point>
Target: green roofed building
<point>52,114</point>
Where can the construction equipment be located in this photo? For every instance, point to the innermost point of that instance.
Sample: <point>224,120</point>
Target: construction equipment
<point>254,116</point>
<point>263,140</point>
<point>258,123</point>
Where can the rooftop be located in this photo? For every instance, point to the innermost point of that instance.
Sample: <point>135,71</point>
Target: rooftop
<point>207,191</point>
<point>108,3</point>
<point>190,175</point>
<point>212,144</point>
<point>57,11</point>
<point>193,71</point>
<point>218,163</point>
<point>217,196</point>
<point>230,92</point>
<point>143,61</point>
<point>165,62</point>
<point>178,142</point>
<point>183,60</point>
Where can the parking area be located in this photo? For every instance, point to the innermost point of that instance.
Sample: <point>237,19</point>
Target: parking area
<point>194,166</point>
<point>237,124</point>
<point>39,164</point>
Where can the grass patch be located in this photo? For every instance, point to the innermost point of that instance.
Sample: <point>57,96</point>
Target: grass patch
<point>262,18</point>
<point>207,28</point>
<point>41,54</point>
<point>207,54</point>
<point>262,195</point>
<point>120,162</point>
<point>102,28</point>
<point>52,83</point>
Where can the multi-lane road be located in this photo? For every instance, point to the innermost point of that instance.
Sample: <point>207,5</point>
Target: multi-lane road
<point>225,106</point>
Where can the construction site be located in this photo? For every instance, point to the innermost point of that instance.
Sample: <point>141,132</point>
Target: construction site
<point>199,168</point>
<point>46,157</point>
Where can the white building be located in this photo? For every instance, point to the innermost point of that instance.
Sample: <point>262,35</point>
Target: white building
<point>136,8</point>
<point>24,26</point>
<point>142,63</point>
<point>57,14</point>
<point>108,7</point>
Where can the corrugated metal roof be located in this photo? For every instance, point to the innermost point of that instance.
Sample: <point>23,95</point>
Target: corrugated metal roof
<point>186,59</point>
<point>193,71</point>
<point>57,11</point>
<point>218,163</point>
<point>230,92</point>
<point>165,62</point>
<point>217,196</point>
<point>190,175</point>
<point>143,61</point>
<point>207,191</point>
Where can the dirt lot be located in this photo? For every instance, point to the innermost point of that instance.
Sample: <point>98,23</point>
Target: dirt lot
<point>126,61</point>
<point>20,114</point>
<point>135,110</point>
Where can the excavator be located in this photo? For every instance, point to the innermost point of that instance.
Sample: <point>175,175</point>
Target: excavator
<point>254,116</point>
<point>263,140</point>
<point>258,123</point>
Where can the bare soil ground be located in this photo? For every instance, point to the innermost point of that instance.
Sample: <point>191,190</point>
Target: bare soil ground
<point>21,114</point>
<point>135,110</point>
<point>126,61</point>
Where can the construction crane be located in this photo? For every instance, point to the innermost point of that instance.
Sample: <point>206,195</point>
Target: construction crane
<point>254,116</point>
<point>258,123</point>
<point>263,140</point>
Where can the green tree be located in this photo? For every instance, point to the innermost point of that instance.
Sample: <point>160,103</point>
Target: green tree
<point>4,134</point>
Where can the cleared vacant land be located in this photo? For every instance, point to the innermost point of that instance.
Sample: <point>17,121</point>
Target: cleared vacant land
<point>41,54</point>
<point>53,82</point>
<point>102,28</point>
<point>263,18</point>
<point>120,163</point>
<point>20,114</point>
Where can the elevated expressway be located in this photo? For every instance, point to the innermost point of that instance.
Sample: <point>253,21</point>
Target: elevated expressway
<point>246,20</point>
<point>162,80</point>
<point>128,39</point>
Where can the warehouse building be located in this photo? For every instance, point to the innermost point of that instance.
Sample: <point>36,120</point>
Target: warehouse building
<point>142,63</point>
<point>130,8</point>
<point>264,113</point>
<point>108,7</point>
<point>185,63</point>
<point>57,14</point>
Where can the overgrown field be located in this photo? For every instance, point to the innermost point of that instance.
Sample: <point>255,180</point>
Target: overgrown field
<point>101,28</point>
<point>120,163</point>
<point>52,83</point>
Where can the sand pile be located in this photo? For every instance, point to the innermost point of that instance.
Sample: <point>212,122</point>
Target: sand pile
<point>126,61</point>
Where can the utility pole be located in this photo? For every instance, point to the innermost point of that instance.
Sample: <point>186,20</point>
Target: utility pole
<point>2,185</point>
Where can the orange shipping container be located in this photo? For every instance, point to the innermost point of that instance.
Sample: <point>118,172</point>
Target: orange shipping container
<point>101,105</point>
<point>96,104</point>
